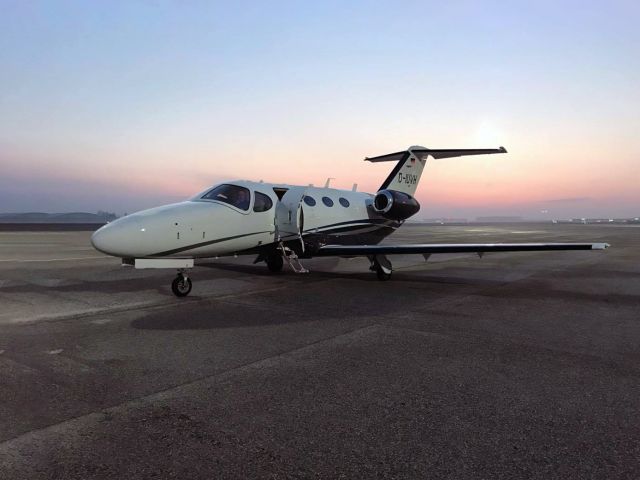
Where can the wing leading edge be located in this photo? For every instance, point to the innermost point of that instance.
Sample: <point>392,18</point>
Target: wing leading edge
<point>357,250</point>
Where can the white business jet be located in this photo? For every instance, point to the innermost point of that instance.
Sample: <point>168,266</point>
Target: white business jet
<point>286,223</point>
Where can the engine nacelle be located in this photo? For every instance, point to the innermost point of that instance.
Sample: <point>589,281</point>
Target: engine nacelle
<point>395,205</point>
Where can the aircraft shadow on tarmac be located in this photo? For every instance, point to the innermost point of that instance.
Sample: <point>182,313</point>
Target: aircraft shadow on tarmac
<point>207,317</point>
<point>418,276</point>
<point>313,300</point>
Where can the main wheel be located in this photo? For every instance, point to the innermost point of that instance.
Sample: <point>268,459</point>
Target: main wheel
<point>381,274</point>
<point>181,286</point>
<point>275,263</point>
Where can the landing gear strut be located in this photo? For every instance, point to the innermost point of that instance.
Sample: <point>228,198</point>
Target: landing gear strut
<point>181,285</point>
<point>382,266</point>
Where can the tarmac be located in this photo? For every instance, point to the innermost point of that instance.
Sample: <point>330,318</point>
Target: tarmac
<point>515,365</point>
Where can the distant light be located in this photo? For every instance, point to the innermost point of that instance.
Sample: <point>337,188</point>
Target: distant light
<point>143,230</point>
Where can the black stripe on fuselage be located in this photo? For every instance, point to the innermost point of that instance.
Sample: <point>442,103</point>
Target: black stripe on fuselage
<point>334,228</point>
<point>204,244</point>
<point>359,223</point>
<point>363,227</point>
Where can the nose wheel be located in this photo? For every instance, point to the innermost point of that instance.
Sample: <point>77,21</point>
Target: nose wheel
<point>181,285</point>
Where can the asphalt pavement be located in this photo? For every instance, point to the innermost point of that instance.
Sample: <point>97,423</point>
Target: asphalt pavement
<point>516,365</point>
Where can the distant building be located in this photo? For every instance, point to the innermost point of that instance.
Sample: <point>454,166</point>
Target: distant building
<point>591,221</point>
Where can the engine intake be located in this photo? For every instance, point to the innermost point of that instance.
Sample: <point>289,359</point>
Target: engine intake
<point>395,205</point>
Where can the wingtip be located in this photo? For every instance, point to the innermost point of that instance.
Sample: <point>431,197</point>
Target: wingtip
<point>503,150</point>
<point>599,246</point>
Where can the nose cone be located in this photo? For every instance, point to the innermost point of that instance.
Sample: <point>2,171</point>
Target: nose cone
<point>113,239</point>
<point>156,231</point>
<point>143,233</point>
<point>125,237</point>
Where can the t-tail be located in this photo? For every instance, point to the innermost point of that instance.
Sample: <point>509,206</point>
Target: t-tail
<point>395,197</point>
<point>407,172</point>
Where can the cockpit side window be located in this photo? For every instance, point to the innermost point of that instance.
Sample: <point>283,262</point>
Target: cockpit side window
<point>239,197</point>
<point>262,202</point>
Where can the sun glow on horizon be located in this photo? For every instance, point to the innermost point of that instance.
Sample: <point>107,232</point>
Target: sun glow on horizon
<point>112,112</point>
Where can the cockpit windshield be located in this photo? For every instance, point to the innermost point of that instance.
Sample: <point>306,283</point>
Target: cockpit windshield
<point>239,197</point>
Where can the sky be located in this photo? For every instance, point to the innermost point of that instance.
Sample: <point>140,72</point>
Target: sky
<point>120,106</point>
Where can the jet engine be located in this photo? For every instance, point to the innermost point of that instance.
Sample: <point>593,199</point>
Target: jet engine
<point>395,205</point>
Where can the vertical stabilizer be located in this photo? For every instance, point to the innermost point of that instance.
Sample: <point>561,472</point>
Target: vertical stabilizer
<point>405,177</point>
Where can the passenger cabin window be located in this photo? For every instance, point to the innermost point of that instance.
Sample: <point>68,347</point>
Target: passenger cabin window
<point>344,202</point>
<point>327,201</point>
<point>239,197</point>
<point>262,203</point>
<point>309,201</point>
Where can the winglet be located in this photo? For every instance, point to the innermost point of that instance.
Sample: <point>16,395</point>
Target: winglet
<point>599,246</point>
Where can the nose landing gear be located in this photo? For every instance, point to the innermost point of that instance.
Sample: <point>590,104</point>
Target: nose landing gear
<point>181,285</point>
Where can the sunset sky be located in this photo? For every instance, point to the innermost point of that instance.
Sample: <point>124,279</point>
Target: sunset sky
<point>125,105</point>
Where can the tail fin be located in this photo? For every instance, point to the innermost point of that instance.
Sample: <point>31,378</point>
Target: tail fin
<point>407,172</point>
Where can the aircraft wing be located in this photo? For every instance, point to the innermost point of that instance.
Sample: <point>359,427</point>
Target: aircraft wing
<point>431,248</point>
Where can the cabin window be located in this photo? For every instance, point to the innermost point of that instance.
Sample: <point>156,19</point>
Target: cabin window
<point>310,201</point>
<point>239,197</point>
<point>344,202</point>
<point>262,203</point>
<point>327,201</point>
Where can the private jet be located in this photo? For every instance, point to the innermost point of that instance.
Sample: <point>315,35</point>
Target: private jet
<point>281,224</point>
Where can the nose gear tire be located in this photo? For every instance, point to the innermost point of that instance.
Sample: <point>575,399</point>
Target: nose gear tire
<point>181,286</point>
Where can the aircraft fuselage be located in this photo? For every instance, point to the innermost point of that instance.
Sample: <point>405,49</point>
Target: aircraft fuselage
<point>207,227</point>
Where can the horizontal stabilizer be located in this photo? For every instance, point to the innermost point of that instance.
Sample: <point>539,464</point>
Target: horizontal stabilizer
<point>358,250</point>
<point>422,153</point>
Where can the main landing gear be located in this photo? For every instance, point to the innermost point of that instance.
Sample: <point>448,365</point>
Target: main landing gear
<point>181,285</point>
<point>382,266</point>
<point>275,260</point>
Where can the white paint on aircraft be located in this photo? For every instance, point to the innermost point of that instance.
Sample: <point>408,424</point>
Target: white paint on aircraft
<point>280,223</point>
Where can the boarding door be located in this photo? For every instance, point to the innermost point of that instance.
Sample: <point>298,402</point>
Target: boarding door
<point>289,218</point>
